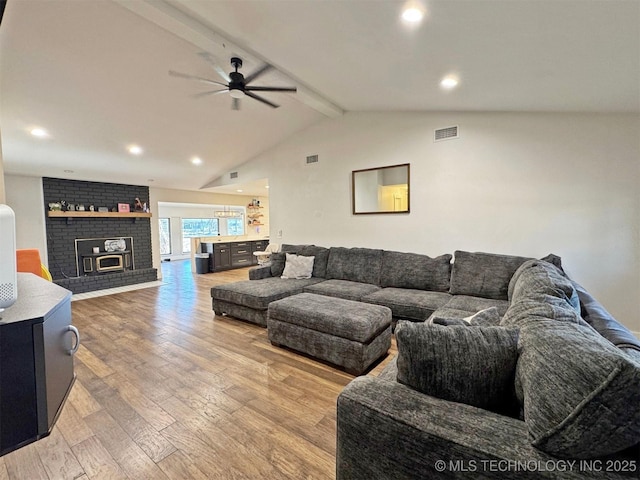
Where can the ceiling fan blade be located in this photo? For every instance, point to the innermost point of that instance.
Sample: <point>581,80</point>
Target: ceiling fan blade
<point>212,92</point>
<point>193,77</point>
<point>251,77</point>
<point>235,105</point>
<point>271,89</point>
<point>207,56</point>
<point>260,99</point>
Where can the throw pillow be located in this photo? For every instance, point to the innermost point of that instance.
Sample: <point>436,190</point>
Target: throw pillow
<point>581,394</point>
<point>297,266</point>
<point>277,264</point>
<point>489,317</point>
<point>468,365</point>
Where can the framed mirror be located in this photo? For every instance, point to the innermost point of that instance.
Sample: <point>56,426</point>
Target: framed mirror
<point>380,190</point>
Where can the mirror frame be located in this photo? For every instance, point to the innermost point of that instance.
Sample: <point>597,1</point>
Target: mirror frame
<point>353,190</point>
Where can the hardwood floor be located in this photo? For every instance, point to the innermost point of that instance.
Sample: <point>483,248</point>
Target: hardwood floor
<point>166,391</point>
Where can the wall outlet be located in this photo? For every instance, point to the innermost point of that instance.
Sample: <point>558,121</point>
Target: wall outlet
<point>279,233</point>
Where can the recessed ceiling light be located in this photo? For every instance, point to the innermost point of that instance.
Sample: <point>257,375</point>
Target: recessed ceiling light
<point>449,82</point>
<point>68,171</point>
<point>267,186</point>
<point>412,14</point>
<point>239,191</point>
<point>39,132</point>
<point>196,161</point>
<point>135,149</point>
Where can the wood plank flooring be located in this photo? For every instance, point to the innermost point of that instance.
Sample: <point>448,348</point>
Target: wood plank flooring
<point>165,390</point>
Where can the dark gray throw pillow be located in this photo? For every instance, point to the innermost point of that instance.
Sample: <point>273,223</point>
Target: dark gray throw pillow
<point>475,366</point>
<point>277,260</point>
<point>581,394</point>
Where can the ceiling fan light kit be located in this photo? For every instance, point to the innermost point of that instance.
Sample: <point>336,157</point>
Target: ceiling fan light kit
<point>237,84</point>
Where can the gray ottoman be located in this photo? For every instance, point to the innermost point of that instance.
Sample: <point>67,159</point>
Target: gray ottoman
<point>350,334</point>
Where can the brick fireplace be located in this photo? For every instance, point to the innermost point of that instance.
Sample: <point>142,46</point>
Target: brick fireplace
<point>63,235</point>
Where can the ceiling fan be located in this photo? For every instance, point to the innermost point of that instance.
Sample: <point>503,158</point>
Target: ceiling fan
<point>237,84</point>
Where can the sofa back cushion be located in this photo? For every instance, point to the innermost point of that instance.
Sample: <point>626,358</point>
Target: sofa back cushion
<point>411,270</point>
<point>484,275</point>
<point>355,264</point>
<point>321,255</point>
<point>536,277</point>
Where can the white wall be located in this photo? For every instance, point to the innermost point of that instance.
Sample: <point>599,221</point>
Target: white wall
<point>523,184</point>
<point>25,197</point>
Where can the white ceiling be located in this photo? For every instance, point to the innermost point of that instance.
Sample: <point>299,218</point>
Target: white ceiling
<point>94,73</point>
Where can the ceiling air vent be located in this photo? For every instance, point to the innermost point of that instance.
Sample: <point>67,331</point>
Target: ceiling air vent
<point>447,133</point>
<point>312,159</point>
<point>233,175</point>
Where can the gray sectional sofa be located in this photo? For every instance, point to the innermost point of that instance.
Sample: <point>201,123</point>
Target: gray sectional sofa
<point>506,368</point>
<point>551,390</point>
<point>413,286</point>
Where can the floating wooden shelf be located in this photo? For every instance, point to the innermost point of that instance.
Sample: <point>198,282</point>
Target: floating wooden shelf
<point>57,213</point>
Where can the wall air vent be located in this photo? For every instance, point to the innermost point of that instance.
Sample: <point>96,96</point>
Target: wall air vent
<point>312,159</point>
<point>447,133</point>
<point>233,175</point>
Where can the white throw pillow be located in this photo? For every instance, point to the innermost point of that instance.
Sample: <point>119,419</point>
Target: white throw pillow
<point>489,317</point>
<point>298,266</point>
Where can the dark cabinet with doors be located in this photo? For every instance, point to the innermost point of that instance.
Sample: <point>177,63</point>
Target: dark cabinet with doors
<point>221,256</point>
<point>37,343</point>
<point>225,256</point>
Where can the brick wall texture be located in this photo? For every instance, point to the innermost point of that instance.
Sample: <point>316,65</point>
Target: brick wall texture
<point>62,233</point>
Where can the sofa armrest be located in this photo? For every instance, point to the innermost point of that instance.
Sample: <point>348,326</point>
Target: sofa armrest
<point>603,322</point>
<point>387,430</point>
<point>258,273</point>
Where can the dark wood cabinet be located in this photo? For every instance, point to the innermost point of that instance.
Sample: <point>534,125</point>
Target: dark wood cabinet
<point>233,254</point>
<point>241,254</point>
<point>221,256</point>
<point>37,343</point>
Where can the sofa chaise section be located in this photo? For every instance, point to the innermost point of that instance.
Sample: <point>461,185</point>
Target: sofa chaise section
<point>249,299</point>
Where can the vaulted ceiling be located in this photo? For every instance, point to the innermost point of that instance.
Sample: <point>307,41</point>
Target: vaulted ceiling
<point>94,74</point>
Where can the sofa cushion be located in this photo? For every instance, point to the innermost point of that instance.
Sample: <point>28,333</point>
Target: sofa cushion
<point>342,289</point>
<point>475,366</point>
<point>581,395</point>
<point>355,264</point>
<point>411,270</point>
<point>536,277</point>
<point>258,294</point>
<point>321,255</point>
<point>543,307</point>
<point>415,305</point>
<point>297,266</point>
<point>475,304</point>
<point>484,275</point>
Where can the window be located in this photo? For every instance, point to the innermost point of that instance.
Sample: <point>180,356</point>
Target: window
<point>235,226</point>
<point>165,236</point>
<point>197,227</point>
